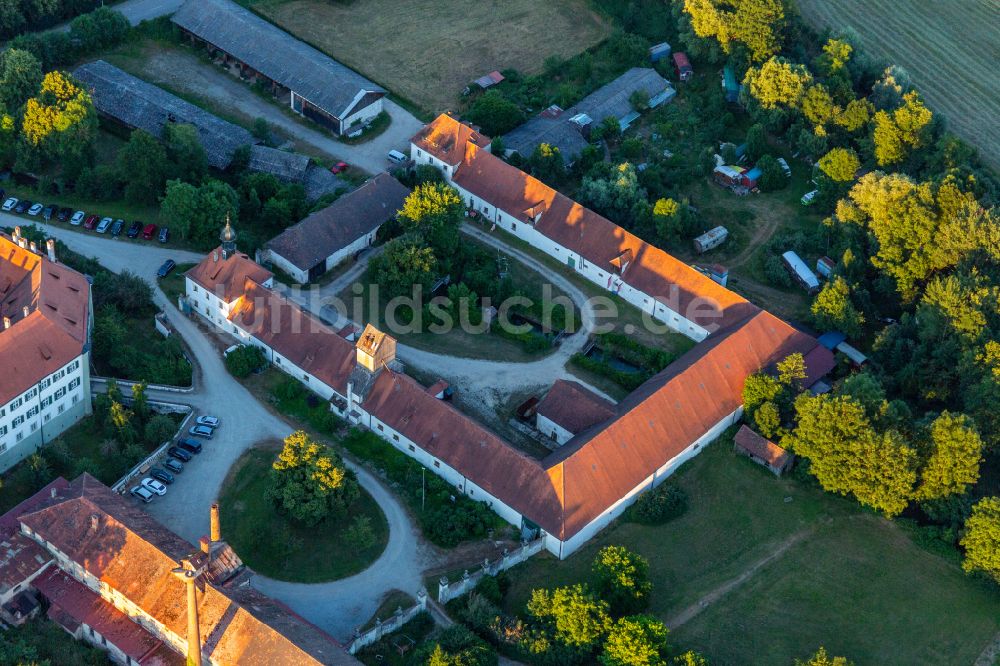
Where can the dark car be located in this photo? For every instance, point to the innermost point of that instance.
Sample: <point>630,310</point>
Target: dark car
<point>134,229</point>
<point>179,454</point>
<point>149,231</point>
<point>23,205</point>
<point>116,228</point>
<point>90,223</point>
<point>175,466</point>
<point>165,269</point>
<point>164,235</point>
<point>189,445</point>
<point>161,475</point>
<point>64,214</point>
<point>47,212</point>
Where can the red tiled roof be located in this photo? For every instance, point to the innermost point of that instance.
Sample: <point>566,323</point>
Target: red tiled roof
<point>20,558</point>
<point>295,334</point>
<point>600,241</point>
<point>126,548</point>
<point>83,606</point>
<point>446,139</point>
<point>574,406</point>
<point>10,522</point>
<point>225,277</point>
<point>760,447</point>
<point>55,330</point>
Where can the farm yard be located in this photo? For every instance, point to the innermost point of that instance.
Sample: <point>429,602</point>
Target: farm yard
<point>428,52</point>
<point>949,49</point>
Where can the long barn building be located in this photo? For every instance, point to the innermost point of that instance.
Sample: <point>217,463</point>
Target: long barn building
<point>312,83</point>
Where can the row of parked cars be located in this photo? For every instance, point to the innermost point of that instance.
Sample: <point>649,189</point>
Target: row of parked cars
<point>90,222</point>
<point>180,453</point>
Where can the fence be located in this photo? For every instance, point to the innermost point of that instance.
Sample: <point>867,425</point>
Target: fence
<point>122,483</point>
<point>398,619</point>
<point>448,591</point>
<point>125,383</point>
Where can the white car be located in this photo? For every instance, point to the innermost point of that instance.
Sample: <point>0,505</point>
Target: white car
<point>142,493</point>
<point>104,224</point>
<point>210,421</point>
<point>808,198</point>
<point>10,203</point>
<point>36,209</point>
<point>77,218</point>
<point>154,486</point>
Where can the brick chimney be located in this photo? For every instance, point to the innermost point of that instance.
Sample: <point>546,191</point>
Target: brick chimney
<point>215,532</point>
<point>50,245</point>
<point>189,577</point>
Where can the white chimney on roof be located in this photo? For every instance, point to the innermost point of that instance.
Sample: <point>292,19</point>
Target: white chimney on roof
<point>34,247</point>
<point>17,234</point>
<point>215,256</point>
<point>6,323</point>
<point>26,310</point>
<point>50,245</point>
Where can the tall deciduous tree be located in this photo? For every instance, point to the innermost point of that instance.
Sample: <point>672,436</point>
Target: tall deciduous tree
<point>821,658</point>
<point>20,78</point>
<point>495,113</point>
<point>840,164</point>
<point>309,481</point>
<point>639,640</point>
<point>143,167</point>
<point>59,123</point>
<point>405,263</point>
<point>622,579</point>
<point>435,211</point>
<point>982,538</point>
<point>778,82</point>
<point>832,309</point>
<point>955,454</point>
<point>576,618</point>
<point>185,152</point>
<point>758,24</point>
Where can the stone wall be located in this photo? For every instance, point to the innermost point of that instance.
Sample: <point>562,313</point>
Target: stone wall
<point>448,590</point>
<point>384,627</point>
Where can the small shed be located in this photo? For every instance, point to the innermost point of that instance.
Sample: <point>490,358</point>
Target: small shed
<point>717,272</point>
<point>728,175</point>
<point>659,51</point>
<point>683,66</point>
<point>711,239</point>
<point>751,177</point>
<point>730,84</point>
<point>825,266</point>
<point>489,80</point>
<point>762,451</point>
<point>798,270</point>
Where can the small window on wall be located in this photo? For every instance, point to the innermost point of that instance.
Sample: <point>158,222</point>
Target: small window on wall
<point>379,426</point>
<point>411,447</point>
<point>437,463</point>
<point>395,438</point>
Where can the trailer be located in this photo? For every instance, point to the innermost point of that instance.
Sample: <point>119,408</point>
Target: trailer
<point>711,239</point>
<point>728,175</point>
<point>659,51</point>
<point>825,266</point>
<point>683,66</point>
<point>800,271</point>
<point>751,177</point>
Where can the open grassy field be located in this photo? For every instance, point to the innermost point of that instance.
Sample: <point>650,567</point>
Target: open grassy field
<point>427,52</point>
<point>949,49</point>
<point>849,580</point>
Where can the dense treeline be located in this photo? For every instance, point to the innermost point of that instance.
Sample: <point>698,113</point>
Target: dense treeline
<point>17,16</point>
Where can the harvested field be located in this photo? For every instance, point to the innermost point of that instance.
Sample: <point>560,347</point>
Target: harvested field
<point>428,52</point>
<point>949,48</point>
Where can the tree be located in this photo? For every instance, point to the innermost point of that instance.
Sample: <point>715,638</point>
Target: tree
<point>615,193</point>
<point>495,113</point>
<point>818,106</point>
<point>772,176</point>
<point>622,579</point>
<point>836,55</point>
<point>767,417</point>
<point>143,166</point>
<point>822,659</point>
<point>159,429</point>
<point>903,129</point>
<point>406,263</point>
<point>434,211</point>
<point>185,152</point>
<point>690,658</point>
<point>140,402</point>
<point>832,309</point>
<point>12,19</point>
<point>855,116</point>
<point>758,24</point>
<point>777,82</point>
<point>59,124</point>
<point>309,481</point>
<point>791,370</point>
<point>840,164</point>
<point>244,359</point>
<point>20,78</point>
<point>956,453</point>
<point>639,640</point>
<point>575,616</point>
<point>673,219</point>
<point>848,456</point>
<point>120,419</point>
<point>759,388</point>
<point>982,538</point>
<point>197,213</point>
<point>547,164</point>
<point>756,142</point>
<point>103,27</point>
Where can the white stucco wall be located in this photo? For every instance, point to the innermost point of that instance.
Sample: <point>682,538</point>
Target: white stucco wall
<point>364,115</point>
<point>550,428</point>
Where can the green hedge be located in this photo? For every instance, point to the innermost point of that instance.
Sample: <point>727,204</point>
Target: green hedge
<point>292,398</point>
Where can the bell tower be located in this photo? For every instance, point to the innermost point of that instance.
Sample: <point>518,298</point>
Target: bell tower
<point>228,240</point>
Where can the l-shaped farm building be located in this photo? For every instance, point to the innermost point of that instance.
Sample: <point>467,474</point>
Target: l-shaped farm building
<point>574,492</point>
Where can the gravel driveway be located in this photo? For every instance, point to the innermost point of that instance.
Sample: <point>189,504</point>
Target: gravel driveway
<point>336,607</point>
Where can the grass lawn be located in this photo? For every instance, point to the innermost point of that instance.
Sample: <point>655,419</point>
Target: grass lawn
<point>855,583</point>
<point>428,52</point>
<point>173,285</point>
<point>274,546</point>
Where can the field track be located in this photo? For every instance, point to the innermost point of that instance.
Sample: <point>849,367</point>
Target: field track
<point>951,50</point>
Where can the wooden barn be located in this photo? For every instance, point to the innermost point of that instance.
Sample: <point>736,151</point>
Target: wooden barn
<point>762,451</point>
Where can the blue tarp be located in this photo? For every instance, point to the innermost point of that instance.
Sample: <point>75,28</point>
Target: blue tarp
<point>831,340</point>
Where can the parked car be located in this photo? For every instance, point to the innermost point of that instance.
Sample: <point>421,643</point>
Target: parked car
<point>90,223</point>
<point>189,445</point>
<point>142,493</point>
<point>35,209</point>
<point>210,421</point>
<point>116,228</point>
<point>10,203</point>
<point>179,454</point>
<point>104,225</point>
<point>149,231</point>
<point>164,235</point>
<point>154,486</point>
<point>201,431</point>
<point>809,197</point>
<point>165,269</point>
<point>162,475</point>
<point>23,205</point>
<point>134,229</point>
<point>48,211</point>
<point>174,465</point>
<point>64,214</point>
<point>77,218</point>
<point>339,167</point>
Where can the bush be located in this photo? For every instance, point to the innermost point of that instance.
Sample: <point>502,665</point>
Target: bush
<point>495,113</point>
<point>244,359</point>
<point>666,502</point>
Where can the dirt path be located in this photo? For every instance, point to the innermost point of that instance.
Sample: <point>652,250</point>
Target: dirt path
<point>762,234</point>
<point>694,609</point>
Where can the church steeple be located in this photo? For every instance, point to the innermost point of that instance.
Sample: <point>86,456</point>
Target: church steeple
<point>228,239</point>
